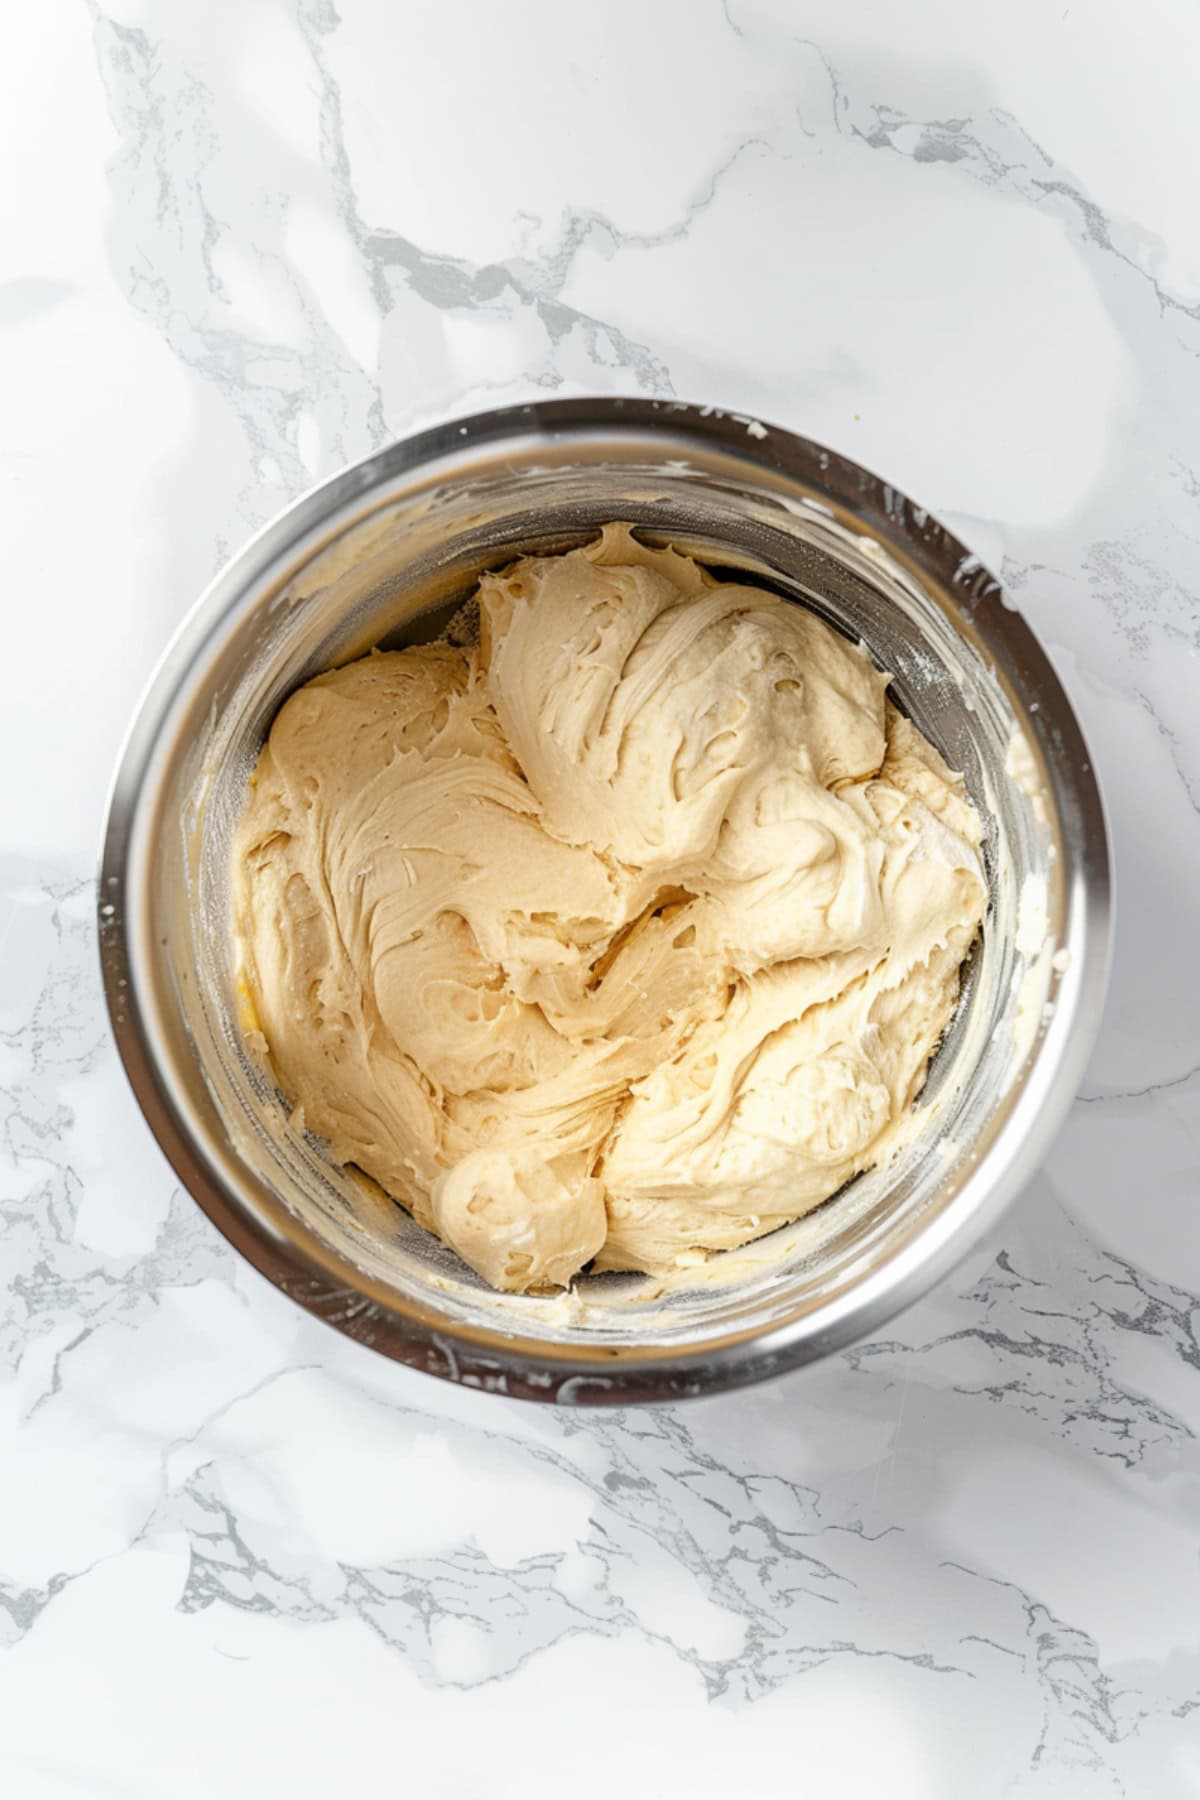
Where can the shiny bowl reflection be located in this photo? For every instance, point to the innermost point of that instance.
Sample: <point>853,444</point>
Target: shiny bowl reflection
<point>384,553</point>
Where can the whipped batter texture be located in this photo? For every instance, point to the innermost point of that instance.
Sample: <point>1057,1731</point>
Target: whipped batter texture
<point>622,936</point>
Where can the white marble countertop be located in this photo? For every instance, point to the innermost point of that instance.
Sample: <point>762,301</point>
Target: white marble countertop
<point>250,240</point>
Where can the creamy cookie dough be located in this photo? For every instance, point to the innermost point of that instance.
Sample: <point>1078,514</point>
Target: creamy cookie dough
<point>623,936</point>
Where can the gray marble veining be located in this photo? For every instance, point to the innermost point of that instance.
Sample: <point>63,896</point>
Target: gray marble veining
<point>251,242</point>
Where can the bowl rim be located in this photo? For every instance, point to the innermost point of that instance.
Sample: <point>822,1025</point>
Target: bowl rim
<point>310,1271</point>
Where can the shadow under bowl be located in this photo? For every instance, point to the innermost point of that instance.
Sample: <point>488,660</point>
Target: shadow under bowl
<point>384,552</point>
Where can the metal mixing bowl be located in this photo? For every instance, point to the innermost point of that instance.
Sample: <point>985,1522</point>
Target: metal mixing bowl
<point>384,553</point>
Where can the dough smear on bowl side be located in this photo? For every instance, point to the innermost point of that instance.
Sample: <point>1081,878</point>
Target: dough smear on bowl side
<point>622,936</point>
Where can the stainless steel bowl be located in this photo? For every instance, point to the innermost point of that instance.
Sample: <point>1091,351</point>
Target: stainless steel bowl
<point>384,552</point>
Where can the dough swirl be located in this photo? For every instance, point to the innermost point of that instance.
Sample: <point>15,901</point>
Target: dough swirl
<point>623,936</point>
